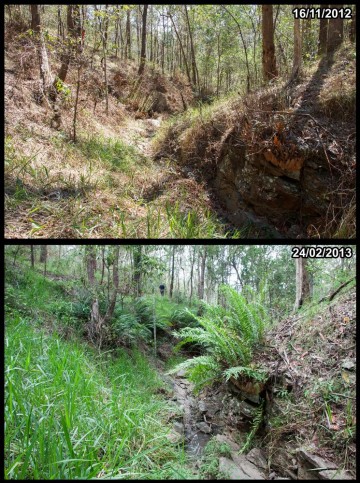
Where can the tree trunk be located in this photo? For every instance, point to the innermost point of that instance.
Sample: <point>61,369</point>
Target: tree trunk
<point>182,50</point>
<point>268,47</point>
<point>128,36</point>
<point>245,47</point>
<point>45,73</point>
<point>302,283</point>
<point>32,257</point>
<point>137,269</point>
<point>143,42</point>
<point>352,30</point>
<point>195,75</point>
<point>323,32</point>
<point>105,42</point>
<point>43,256</point>
<point>172,272</point>
<point>297,49</point>
<point>203,256</point>
<point>335,32</point>
<point>110,310</point>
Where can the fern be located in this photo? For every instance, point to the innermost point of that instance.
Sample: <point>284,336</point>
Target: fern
<point>227,334</point>
<point>235,372</point>
<point>201,370</point>
<point>255,426</point>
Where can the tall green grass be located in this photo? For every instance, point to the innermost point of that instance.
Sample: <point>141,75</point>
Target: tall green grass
<point>70,413</point>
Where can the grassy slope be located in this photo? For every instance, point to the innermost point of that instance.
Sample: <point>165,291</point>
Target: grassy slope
<point>71,412</point>
<point>105,185</point>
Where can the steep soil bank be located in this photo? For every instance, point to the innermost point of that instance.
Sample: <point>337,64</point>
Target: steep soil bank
<point>283,156</point>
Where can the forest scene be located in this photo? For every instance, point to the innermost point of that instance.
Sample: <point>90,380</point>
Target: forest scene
<point>180,121</point>
<point>180,362</point>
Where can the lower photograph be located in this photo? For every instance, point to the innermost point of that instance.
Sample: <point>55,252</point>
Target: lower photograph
<point>180,362</point>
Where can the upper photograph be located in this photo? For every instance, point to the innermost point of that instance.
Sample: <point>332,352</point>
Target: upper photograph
<point>180,121</point>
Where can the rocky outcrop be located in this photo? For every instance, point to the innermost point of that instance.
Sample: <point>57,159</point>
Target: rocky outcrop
<point>314,467</point>
<point>272,182</point>
<point>239,467</point>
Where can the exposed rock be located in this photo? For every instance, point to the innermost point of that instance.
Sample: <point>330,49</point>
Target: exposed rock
<point>280,462</point>
<point>175,437</point>
<point>257,457</point>
<point>221,438</point>
<point>247,409</point>
<point>179,428</point>
<point>315,461</point>
<point>160,103</point>
<point>247,467</point>
<point>202,407</point>
<point>181,373</point>
<point>248,389</point>
<point>231,470</point>
<point>348,364</point>
<point>334,475</point>
<point>310,461</point>
<point>252,183</point>
<point>203,427</point>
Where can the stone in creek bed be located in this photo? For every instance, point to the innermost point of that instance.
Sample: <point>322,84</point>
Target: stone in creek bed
<point>179,428</point>
<point>235,471</point>
<point>174,437</point>
<point>202,407</point>
<point>203,427</point>
<point>181,373</point>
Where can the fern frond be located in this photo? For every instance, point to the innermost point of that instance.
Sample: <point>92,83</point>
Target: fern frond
<point>256,374</point>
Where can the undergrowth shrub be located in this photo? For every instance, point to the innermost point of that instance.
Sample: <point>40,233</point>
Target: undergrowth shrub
<point>183,318</point>
<point>227,334</point>
<point>130,329</point>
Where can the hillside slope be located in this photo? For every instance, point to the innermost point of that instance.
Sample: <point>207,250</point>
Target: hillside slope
<point>284,156</point>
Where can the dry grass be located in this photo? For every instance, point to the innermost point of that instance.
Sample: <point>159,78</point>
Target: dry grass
<point>104,185</point>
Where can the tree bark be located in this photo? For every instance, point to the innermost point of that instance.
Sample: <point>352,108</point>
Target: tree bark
<point>268,46</point>
<point>302,283</point>
<point>43,256</point>
<point>182,50</point>
<point>195,75</point>
<point>111,308</point>
<point>335,32</point>
<point>203,256</point>
<point>297,49</point>
<point>137,269</point>
<point>245,47</point>
<point>32,257</point>
<point>172,272</point>
<point>352,31</point>
<point>45,73</point>
<point>128,36</point>
<point>323,33</point>
<point>143,42</point>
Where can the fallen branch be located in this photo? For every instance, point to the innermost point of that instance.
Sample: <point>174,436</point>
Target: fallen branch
<point>332,295</point>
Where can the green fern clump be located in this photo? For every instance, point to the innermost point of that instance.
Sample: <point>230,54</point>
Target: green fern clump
<point>227,334</point>
<point>202,370</point>
<point>130,329</point>
<point>183,318</point>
